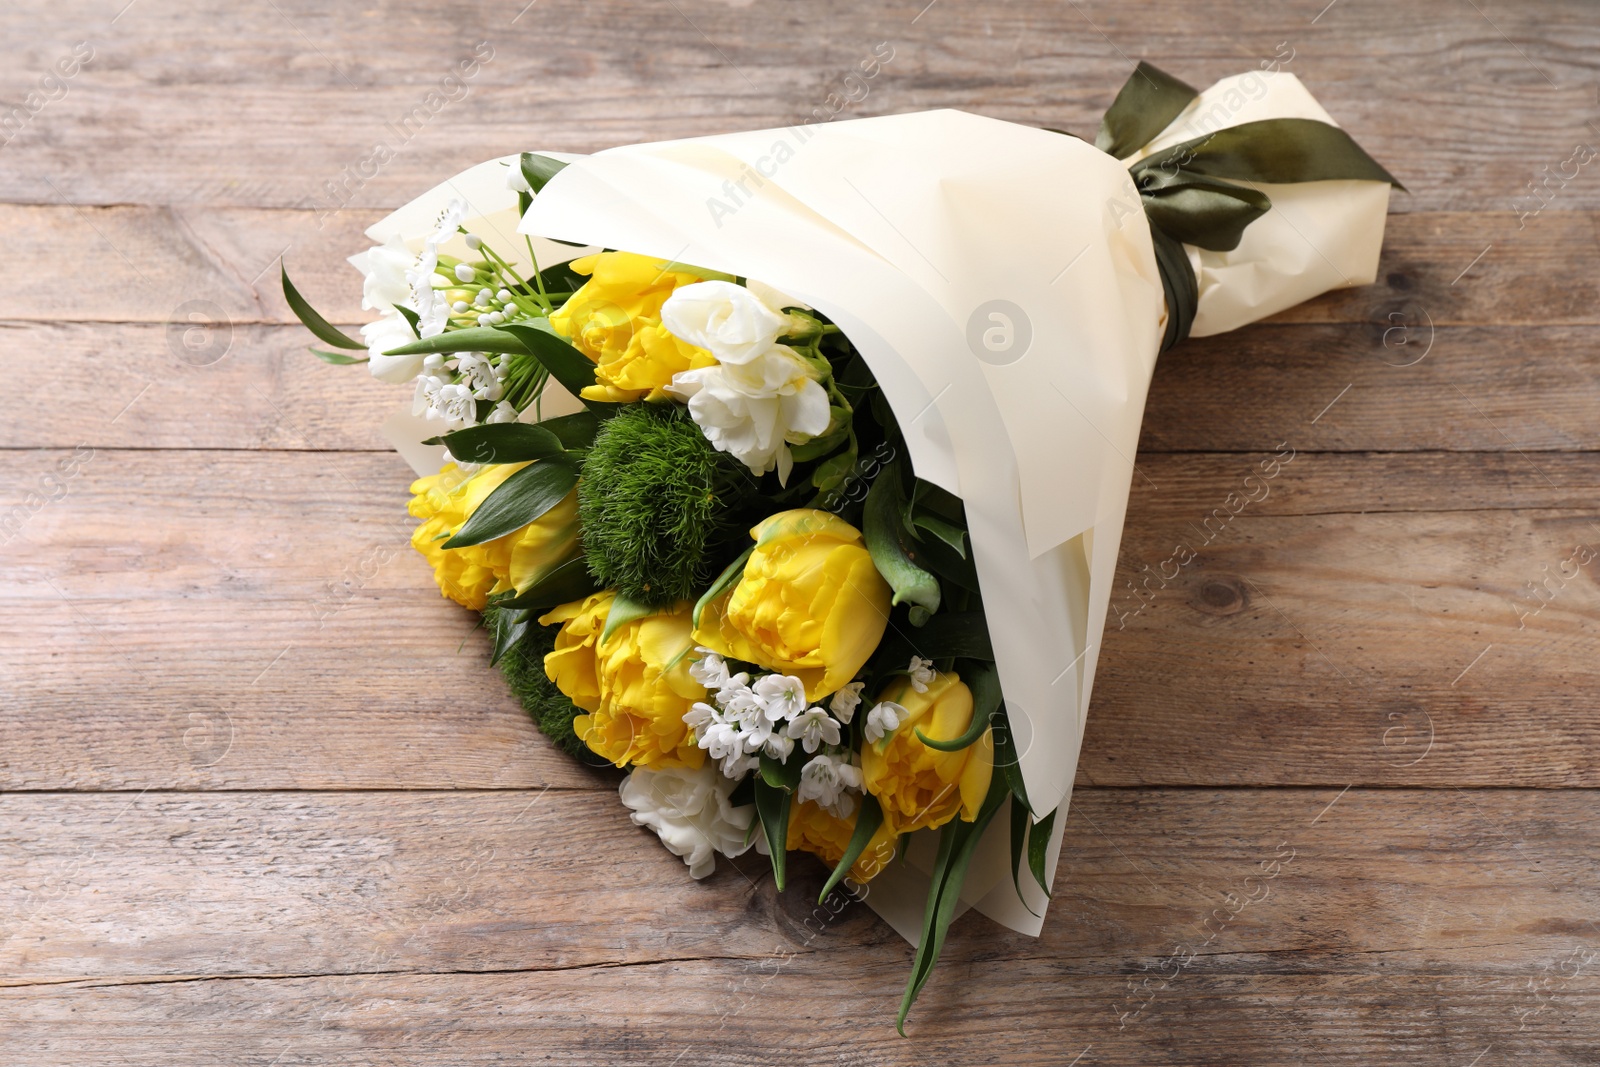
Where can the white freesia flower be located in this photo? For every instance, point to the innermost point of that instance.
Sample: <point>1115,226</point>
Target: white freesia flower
<point>826,780</point>
<point>782,696</point>
<point>921,672</point>
<point>884,718</point>
<point>391,331</point>
<point>756,430</point>
<point>689,810</point>
<point>727,320</point>
<point>814,728</point>
<point>384,266</point>
<point>844,703</point>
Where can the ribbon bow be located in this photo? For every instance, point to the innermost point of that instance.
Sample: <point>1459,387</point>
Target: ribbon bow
<point>1186,192</point>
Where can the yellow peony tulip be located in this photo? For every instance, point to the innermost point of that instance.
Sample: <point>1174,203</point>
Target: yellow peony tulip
<point>918,786</point>
<point>615,319</point>
<point>635,687</point>
<point>817,830</point>
<point>810,602</point>
<point>515,561</point>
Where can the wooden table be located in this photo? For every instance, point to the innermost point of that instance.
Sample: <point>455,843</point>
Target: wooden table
<point>265,803</point>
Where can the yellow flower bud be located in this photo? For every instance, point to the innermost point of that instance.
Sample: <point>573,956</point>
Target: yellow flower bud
<point>810,602</point>
<point>635,686</point>
<point>615,319</point>
<point>917,786</point>
<point>516,561</point>
<point>816,830</point>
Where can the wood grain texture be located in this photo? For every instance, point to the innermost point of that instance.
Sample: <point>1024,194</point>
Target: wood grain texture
<point>263,802</point>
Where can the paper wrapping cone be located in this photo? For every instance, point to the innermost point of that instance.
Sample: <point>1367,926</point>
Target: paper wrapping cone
<point>1000,282</point>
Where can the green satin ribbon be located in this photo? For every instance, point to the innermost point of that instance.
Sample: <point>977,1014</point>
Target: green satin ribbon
<point>1186,190</point>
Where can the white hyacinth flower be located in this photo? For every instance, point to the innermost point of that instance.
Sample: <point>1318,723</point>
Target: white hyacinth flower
<point>827,780</point>
<point>479,375</point>
<point>921,672</point>
<point>690,811</point>
<point>727,320</point>
<point>843,704</point>
<point>884,718</point>
<point>782,696</point>
<point>710,670</point>
<point>814,728</point>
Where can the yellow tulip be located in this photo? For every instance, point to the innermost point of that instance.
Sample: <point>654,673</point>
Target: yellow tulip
<point>615,319</point>
<point>917,786</point>
<point>810,603</point>
<point>635,686</point>
<point>515,561</point>
<point>815,829</point>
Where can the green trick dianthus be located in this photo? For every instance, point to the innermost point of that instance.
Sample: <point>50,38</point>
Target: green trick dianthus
<point>655,500</point>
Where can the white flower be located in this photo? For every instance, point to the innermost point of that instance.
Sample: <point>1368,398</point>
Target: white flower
<point>756,410</point>
<point>426,398</point>
<point>826,780</point>
<point>778,746</point>
<point>721,739</point>
<point>449,221</point>
<point>739,704</point>
<point>479,375</point>
<point>736,767</point>
<point>454,404</point>
<point>391,331</point>
<point>921,672</point>
<point>726,319</point>
<point>844,703</point>
<point>884,718</point>
<point>782,696</point>
<point>689,810</point>
<point>385,285</point>
<point>700,716</point>
<point>503,412</point>
<point>814,728</point>
<point>710,670</point>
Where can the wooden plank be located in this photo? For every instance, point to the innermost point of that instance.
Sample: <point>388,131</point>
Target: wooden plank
<point>1384,919</point>
<point>318,91</point>
<point>1357,598</point>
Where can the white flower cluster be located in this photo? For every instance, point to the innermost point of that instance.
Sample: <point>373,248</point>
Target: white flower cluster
<point>448,389</point>
<point>760,397</point>
<point>691,813</point>
<point>768,716</point>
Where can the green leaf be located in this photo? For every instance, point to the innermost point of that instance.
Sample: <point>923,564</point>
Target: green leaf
<point>772,808</point>
<point>725,581</point>
<point>313,321</point>
<point>566,364</point>
<point>985,685</point>
<point>963,635</point>
<point>469,339</point>
<point>513,626</point>
<point>623,611</point>
<point>538,170</point>
<point>336,358</point>
<point>517,501</point>
<point>573,431</point>
<point>566,583</point>
<point>783,774</point>
<point>1038,844</point>
<point>948,532</point>
<point>561,278</point>
<point>1019,836</point>
<point>881,522</point>
<point>411,318</point>
<point>957,843</point>
<point>503,442</point>
<point>868,818</point>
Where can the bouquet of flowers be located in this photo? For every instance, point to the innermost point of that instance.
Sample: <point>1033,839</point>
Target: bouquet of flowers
<point>788,469</point>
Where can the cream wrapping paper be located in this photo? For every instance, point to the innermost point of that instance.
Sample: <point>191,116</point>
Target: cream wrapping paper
<point>1000,282</point>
